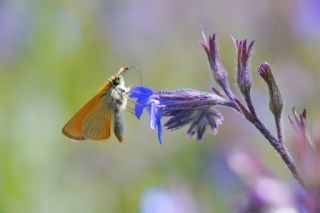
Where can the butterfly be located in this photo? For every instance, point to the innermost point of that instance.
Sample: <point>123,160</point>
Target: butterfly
<point>94,120</point>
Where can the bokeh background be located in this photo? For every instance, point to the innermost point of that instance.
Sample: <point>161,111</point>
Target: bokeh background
<point>54,55</point>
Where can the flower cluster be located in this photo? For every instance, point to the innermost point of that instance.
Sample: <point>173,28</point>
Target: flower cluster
<point>199,110</point>
<point>183,107</point>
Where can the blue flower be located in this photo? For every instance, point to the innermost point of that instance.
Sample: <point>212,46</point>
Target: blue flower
<point>146,98</point>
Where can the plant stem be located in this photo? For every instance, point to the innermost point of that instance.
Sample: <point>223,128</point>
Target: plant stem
<point>250,105</point>
<point>279,129</point>
<point>280,147</point>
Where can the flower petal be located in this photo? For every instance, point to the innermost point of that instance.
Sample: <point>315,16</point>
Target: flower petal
<point>158,121</point>
<point>140,91</point>
<point>138,110</point>
<point>143,96</point>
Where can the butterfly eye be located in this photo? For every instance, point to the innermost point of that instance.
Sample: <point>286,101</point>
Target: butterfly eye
<point>116,81</point>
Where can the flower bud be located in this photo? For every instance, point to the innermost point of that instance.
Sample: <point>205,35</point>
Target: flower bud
<point>219,74</point>
<point>243,73</point>
<point>275,103</point>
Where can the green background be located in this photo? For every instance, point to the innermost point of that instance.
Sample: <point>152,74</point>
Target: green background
<point>54,55</point>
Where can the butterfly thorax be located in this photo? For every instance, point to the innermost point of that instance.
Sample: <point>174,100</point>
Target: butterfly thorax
<point>118,91</point>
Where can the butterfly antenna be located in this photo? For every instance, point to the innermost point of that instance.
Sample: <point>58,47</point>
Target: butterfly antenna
<point>140,76</point>
<point>139,71</point>
<point>122,71</point>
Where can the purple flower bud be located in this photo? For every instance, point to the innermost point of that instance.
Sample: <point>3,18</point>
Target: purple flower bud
<point>218,72</point>
<point>243,74</point>
<point>299,122</point>
<point>275,103</point>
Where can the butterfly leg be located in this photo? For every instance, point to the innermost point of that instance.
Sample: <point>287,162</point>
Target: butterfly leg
<point>128,110</point>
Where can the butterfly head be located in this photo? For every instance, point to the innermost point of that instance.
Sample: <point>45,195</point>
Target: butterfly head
<point>117,81</point>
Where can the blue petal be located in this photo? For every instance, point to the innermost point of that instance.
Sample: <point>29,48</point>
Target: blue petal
<point>145,98</point>
<point>152,114</point>
<point>141,103</point>
<point>140,91</point>
<point>155,115</point>
<point>158,121</point>
<point>138,110</point>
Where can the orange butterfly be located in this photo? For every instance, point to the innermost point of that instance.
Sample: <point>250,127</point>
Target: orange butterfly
<point>93,120</point>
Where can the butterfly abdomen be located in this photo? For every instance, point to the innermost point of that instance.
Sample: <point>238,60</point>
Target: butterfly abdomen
<point>118,123</point>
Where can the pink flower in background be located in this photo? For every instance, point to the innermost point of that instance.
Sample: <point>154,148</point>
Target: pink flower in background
<point>257,188</point>
<point>263,191</point>
<point>308,158</point>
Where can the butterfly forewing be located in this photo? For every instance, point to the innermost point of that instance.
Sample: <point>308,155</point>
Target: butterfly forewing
<point>92,121</point>
<point>96,125</point>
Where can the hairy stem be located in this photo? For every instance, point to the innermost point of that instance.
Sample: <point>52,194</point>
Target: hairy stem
<point>279,147</point>
<point>279,129</point>
<point>250,105</point>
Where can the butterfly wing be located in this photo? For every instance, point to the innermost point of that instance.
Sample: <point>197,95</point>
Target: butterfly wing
<point>92,121</point>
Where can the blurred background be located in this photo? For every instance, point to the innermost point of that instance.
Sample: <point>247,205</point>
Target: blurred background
<point>54,55</point>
